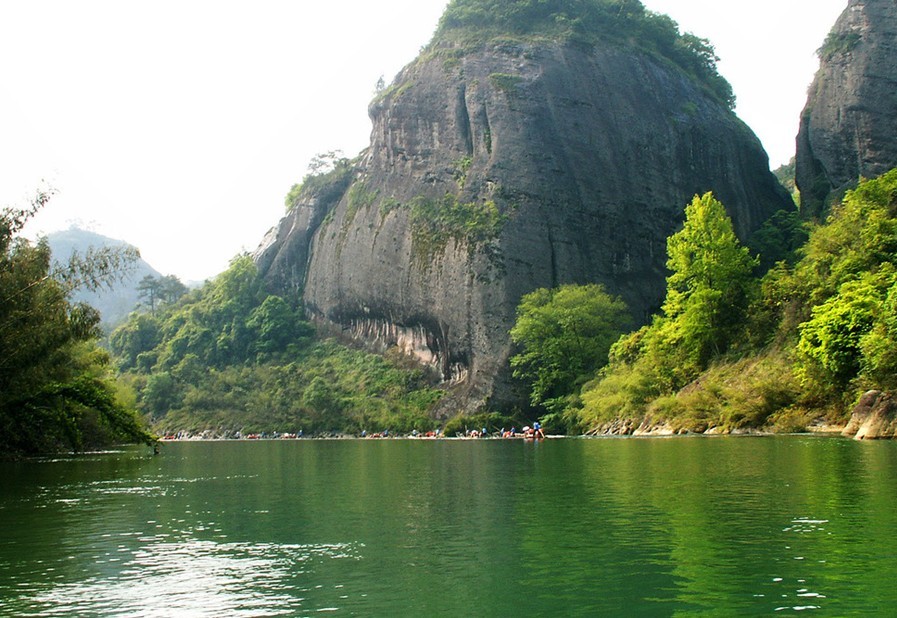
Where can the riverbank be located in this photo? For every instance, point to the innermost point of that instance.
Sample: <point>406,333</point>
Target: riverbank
<point>658,432</point>
<point>204,437</point>
<point>648,428</point>
<point>873,418</point>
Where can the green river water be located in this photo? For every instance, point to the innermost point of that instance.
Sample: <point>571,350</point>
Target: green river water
<point>574,527</point>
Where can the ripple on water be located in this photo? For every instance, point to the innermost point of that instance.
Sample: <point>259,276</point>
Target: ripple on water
<point>143,487</point>
<point>801,594</point>
<point>806,526</point>
<point>196,578</point>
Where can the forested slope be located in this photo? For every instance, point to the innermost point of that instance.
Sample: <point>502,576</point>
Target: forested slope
<point>733,350</point>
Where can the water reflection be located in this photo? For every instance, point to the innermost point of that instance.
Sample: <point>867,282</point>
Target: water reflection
<point>575,527</point>
<point>722,526</point>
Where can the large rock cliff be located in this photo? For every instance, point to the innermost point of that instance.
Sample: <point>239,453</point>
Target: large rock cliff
<point>496,170</point>
<point>849,126</point>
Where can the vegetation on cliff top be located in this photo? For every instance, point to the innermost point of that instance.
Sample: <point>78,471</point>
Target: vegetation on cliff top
<point>329,174</point>
<point>621,22</point>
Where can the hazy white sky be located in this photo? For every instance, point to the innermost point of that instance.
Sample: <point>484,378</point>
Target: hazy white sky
<point>180,125</point>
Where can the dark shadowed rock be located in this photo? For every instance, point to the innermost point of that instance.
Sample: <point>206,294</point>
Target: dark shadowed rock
<point>505,168</point>
<point>849,127</point>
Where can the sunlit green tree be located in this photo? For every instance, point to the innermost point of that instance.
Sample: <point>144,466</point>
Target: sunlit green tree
<point>830,342</point>
<point>708,293</point>
<point>564,335</point>
<point>879,346</point>
<point>710,285</point>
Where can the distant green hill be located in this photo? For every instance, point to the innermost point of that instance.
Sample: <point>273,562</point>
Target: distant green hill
<point>113,304</point>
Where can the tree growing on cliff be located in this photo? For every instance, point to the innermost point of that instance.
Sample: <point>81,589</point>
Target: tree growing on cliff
<point>326,170</point>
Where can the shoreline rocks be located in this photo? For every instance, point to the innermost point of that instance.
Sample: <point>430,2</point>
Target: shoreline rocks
<point>873,418</point>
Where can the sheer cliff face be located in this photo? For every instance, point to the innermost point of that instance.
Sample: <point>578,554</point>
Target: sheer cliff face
<point>493,173</point>
<point>849,126</point>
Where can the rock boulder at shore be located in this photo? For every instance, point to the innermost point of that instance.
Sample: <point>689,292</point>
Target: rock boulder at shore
<point>873,418</point>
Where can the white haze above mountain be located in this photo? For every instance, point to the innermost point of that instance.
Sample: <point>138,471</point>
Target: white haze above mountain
<point>180,126</point>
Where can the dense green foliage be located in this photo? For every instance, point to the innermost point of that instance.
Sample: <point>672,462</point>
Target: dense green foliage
<point>56,386</point>
<point>779,239</point>
<point>586,22</point>
<point>847,282</point>
<point>564,335</point>
<point>325,387</point>
<point>708,292</point>
<point>731,350</point>
<point>230,357</point>
<point>230,320</point>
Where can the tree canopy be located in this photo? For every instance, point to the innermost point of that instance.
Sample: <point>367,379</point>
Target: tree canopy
<point>56,386</point>
<point>622,22</point>
<point>710,282</point>
<point>564,335</point>
<point>231,357</point>
<point>155,290</point>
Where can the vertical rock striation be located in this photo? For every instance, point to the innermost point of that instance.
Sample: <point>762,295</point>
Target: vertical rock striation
<point>495,171</point>
<point>848,128</point>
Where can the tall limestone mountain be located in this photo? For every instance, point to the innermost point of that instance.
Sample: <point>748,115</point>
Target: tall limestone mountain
<point>848,128</point>
<point>526,147</point>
